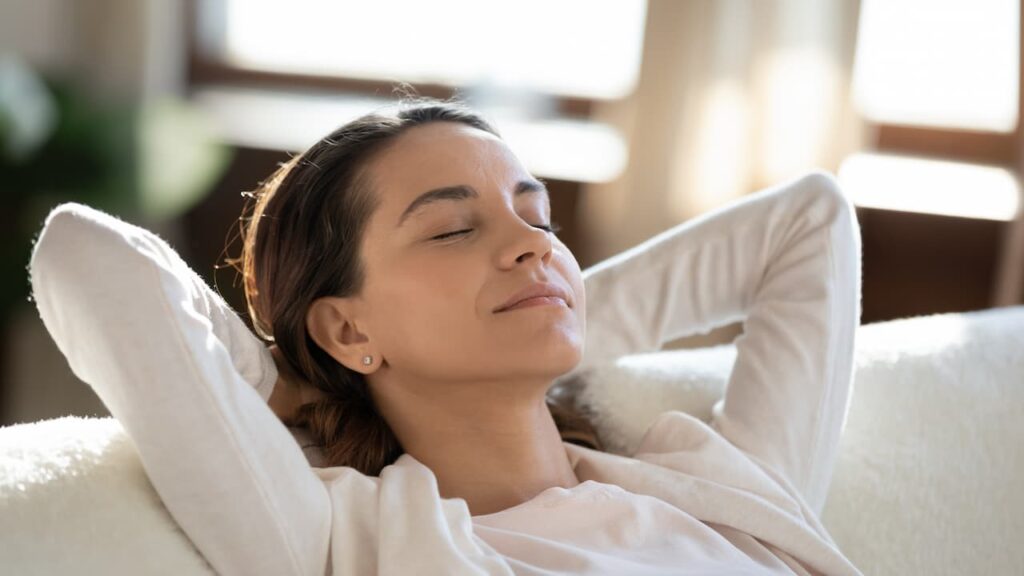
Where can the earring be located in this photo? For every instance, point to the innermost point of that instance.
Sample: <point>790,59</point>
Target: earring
<point>367,360</point>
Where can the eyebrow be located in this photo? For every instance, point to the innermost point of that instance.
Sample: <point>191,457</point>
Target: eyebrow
<point>463,192</point>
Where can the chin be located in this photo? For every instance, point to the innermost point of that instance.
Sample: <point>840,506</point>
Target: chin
<point>560,359</point>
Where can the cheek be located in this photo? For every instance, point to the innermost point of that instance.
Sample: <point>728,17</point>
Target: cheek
<point>570,270</point>
<point>574,276</point>
<point>432,297</point>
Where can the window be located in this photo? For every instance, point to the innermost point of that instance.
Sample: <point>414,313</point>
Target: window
<point>939,63</point>
<point>939,83</point>
<point>939,79</point>
<point>571,48</point>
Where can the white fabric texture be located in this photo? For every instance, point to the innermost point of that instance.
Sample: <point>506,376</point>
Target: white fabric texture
<point>926,481</point>
<point>74,499</point>
<point>929,462</point>
<point>189,382</point>
<point>599,528</point>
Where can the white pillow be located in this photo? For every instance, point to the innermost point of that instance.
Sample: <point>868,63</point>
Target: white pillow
<point>625,396</point>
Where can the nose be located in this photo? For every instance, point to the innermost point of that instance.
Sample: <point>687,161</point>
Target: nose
<point>527,242</point>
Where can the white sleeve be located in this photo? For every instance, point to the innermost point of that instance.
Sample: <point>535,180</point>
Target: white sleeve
<point>787,261</point>
<point>188,381</point>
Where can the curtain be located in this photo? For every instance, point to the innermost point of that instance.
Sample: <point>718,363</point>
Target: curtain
<point>732,96</point>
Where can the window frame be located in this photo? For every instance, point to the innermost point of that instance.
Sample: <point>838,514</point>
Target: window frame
<point>963,145</point>
<point>1004,149</point>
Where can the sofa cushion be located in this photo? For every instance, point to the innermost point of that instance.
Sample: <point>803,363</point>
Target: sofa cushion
<point>932,452</point>
<point>74,499</point>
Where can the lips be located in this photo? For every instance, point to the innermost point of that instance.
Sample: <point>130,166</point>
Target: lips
<point>533,291</point>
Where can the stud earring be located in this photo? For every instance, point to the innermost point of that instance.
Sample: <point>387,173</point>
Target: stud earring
<point>367,360</point>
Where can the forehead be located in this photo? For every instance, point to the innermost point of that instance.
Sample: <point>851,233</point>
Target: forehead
<point>442,154</point>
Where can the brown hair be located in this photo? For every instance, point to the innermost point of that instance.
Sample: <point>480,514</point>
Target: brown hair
<point>302,243</point>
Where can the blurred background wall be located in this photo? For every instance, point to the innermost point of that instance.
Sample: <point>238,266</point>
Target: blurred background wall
<point>638,114</point>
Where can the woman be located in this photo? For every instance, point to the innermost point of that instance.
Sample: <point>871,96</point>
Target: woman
<point>382,263</point>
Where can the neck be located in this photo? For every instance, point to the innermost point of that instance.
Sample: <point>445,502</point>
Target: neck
<point>495,446</point>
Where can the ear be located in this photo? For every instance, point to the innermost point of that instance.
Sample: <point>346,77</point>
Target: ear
<point>332,324</point>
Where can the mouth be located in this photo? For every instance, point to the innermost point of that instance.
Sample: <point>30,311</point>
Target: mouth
<point>536,294</point>
<point>536,301</point>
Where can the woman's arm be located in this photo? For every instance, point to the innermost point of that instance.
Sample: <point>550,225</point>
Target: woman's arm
<point>787,261</point>
<point>188,382</point>
<point>264,368</point>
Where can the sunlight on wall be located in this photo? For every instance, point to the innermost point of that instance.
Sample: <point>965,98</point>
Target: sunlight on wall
<point>762,133</point>
<point>575,150</point>
<point>567,149</point>
<point>930,186</point>
<point>802,92</point>
<point>721,152</point>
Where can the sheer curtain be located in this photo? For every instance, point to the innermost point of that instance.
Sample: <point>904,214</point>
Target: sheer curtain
<point>733,95</point>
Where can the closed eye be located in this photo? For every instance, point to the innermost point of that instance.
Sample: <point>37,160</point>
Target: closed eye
<point>553,228</point>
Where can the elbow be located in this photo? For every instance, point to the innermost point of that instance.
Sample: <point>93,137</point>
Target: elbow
<point>823,188</point>
<point>53,247</point>
<point>818,195</point>
<point>74,236</point>
<point>61,231</point>
<point>73,253</point>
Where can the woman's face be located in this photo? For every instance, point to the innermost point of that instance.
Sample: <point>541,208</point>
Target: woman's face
<point>430,302</point>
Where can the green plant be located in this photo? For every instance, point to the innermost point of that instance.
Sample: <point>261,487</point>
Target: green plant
<point>147,161</point>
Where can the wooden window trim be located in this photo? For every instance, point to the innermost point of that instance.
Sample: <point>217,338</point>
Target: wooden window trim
<point>961,145</point>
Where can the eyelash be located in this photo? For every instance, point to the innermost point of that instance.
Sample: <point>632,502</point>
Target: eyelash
<point>553,228</point>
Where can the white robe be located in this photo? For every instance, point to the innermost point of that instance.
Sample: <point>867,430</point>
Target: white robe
<point>189,383</point>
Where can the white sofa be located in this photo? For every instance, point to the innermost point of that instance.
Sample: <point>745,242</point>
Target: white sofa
<point>928,480</point>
